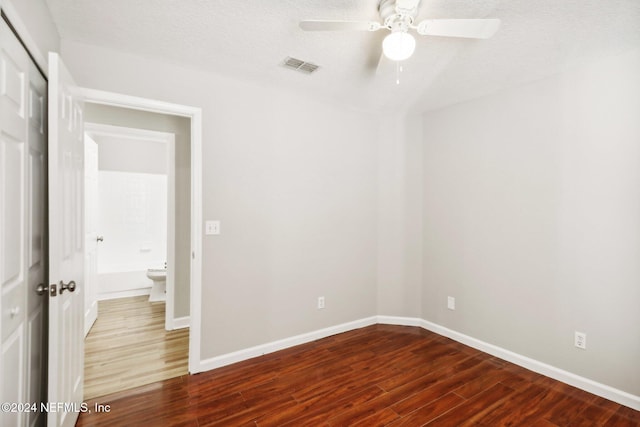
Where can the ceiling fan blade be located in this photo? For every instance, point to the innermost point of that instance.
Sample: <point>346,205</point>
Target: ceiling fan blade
<point>340,25</point>
<point>471,28</point>
<point>373,50</point>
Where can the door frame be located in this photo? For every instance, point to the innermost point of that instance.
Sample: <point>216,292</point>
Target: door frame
<point>195,115</point>
<point>91,312</point>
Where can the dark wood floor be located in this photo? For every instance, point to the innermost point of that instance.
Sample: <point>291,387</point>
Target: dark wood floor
<point>375,376</point>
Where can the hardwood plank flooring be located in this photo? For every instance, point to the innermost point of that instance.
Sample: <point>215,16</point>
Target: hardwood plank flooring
<point>380,375</point>
<point>128,347</point>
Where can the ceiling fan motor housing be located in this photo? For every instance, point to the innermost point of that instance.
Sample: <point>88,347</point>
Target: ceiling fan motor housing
<point>398,14</point>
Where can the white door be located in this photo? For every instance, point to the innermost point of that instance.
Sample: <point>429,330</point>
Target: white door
<point>66,246</point>
<point>22,229</point>
<point>91,232</point>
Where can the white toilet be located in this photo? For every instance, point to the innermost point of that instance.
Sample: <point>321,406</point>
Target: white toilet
<point>159,287</point>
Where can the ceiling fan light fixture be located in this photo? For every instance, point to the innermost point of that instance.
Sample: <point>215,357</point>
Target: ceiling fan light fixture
<point>399,45</point>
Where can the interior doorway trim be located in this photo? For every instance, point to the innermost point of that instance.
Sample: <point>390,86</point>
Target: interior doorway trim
<point>195,115</point>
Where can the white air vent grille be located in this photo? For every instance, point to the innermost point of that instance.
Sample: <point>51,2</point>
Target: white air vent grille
<point>300,65</point>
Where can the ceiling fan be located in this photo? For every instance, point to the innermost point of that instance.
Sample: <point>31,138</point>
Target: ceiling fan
<point>398,16</point>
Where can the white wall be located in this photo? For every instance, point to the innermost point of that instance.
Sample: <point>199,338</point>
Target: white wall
<point>532,219</point>
<point>293,182</point>
<point>132,217</point>
<point>132,214</point>
<point>133,220</point>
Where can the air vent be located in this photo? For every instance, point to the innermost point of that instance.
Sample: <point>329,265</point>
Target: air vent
<point>300,65</point>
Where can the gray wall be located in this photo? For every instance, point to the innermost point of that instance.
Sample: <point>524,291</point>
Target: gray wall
<point>180,127</point>
<point>399,263</point>
<point>293,182</point>
<point>532,220</point>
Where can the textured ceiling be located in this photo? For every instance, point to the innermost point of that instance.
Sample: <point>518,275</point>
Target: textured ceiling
<point>250,39</point>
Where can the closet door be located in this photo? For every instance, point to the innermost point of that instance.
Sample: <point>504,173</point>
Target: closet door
<point>22,230</point>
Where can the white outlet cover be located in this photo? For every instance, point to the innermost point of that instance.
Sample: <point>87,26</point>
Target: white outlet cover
<point>580,340</point>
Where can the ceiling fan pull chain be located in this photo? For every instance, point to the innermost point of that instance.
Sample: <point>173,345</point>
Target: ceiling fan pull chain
<point>398,71</point>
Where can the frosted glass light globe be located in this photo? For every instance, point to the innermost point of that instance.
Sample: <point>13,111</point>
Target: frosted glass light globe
<point>398,45</point>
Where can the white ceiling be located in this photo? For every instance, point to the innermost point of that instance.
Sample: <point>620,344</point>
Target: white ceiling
<point>251,38</point>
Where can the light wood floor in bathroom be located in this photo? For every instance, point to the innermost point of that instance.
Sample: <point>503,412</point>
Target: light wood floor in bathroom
<point>128,347</point>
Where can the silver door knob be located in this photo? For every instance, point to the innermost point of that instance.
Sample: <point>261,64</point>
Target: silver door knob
<point>41,289</point>
<point>71,286</point>
<point>100,239</point>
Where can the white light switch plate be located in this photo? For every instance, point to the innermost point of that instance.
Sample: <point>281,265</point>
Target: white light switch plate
<point>212,228</point>
<point>451,303</point>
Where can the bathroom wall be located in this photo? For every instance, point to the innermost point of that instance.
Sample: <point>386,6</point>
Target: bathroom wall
<point>132,214</point>
<point>180,127</point>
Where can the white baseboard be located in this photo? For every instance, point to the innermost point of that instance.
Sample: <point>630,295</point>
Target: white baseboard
<point>602,390</point>
<point>400,321</point>
<point>181,322</point>
<point>124,294</point>
<point>259,350</point>
<point>619,396</point>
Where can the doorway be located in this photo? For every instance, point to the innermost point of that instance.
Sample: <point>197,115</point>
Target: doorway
<point>121,110</point>
<point>130,222</point>
<point>194,239</point>
<point>130,215</point>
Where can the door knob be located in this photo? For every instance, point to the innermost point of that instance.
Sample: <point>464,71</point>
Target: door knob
<point>100,239</point>
<point>41,289</point>
<point>71,286</point>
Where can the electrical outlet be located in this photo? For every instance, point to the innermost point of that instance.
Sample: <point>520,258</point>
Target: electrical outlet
<point>451,303</point>
<point>580,340</point>
<point>320,303</point>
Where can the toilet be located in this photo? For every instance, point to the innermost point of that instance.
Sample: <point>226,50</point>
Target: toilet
<point>159,287</point>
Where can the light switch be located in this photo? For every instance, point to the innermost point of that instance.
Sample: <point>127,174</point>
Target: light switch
<point>451,303</point>
<point>212,228</point>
